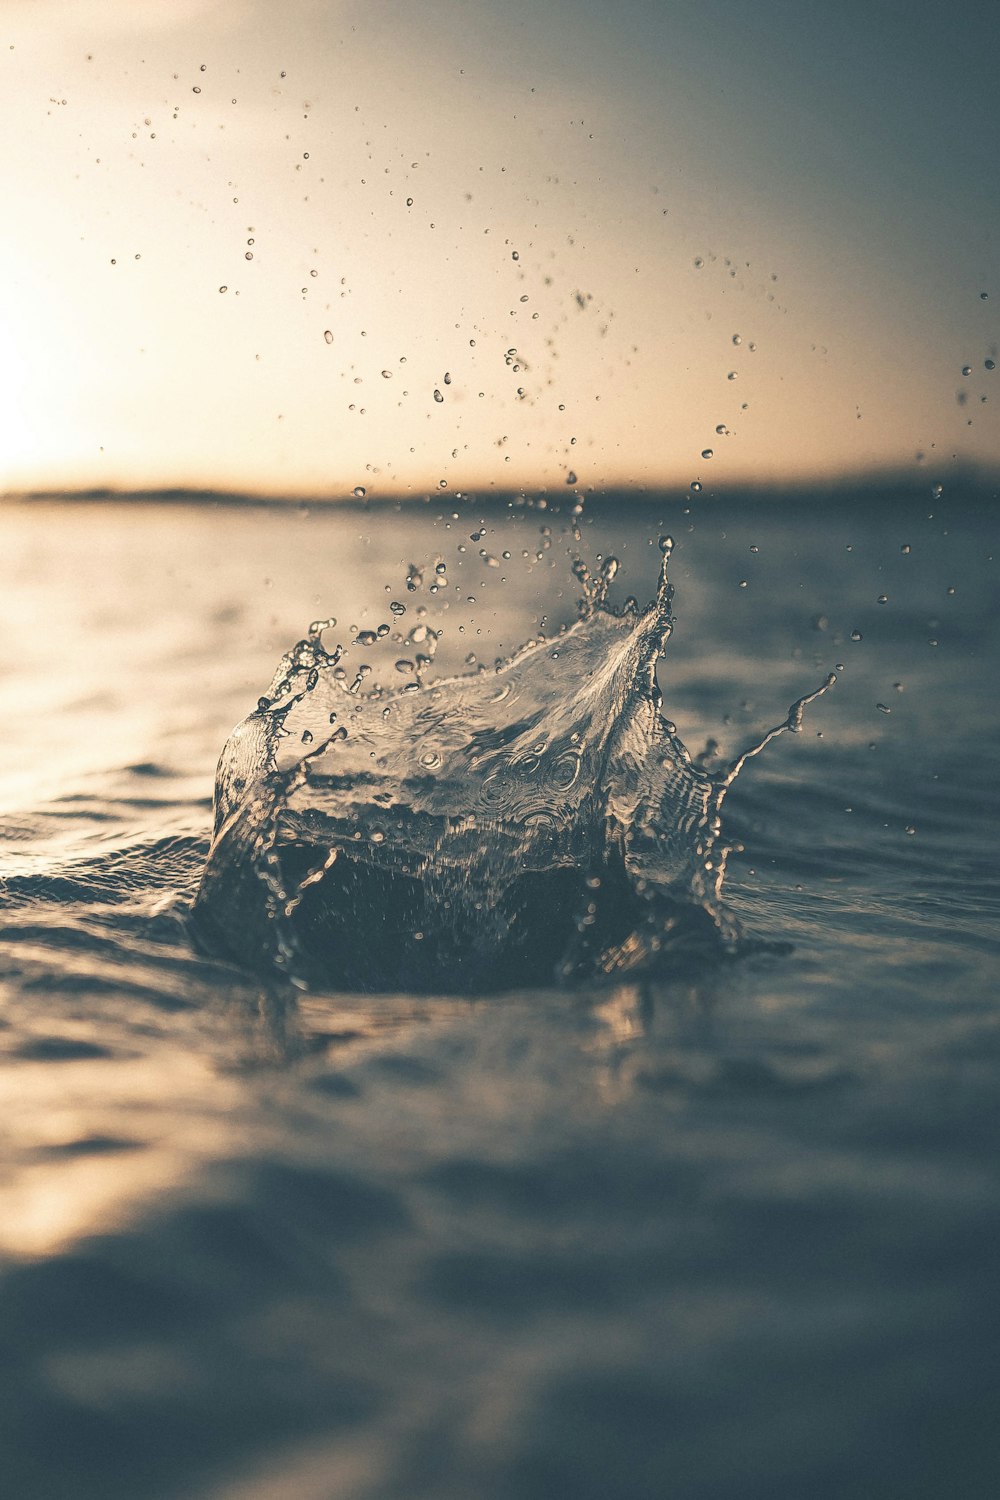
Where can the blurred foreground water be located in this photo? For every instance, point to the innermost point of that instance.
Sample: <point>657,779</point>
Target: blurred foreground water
<point>730,1231</point>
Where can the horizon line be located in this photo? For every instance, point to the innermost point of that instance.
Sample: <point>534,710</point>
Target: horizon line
<point>967,476</point>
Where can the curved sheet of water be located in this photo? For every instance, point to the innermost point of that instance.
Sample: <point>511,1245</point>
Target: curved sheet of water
<point>539,822</point>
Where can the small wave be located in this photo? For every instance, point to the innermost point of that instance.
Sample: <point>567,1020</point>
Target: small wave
<point>539,823</point>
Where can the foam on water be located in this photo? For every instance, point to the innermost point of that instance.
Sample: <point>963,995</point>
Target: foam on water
<point>539,822</point>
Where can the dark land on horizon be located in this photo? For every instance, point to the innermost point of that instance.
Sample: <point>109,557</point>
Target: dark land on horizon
<point>967,487</point>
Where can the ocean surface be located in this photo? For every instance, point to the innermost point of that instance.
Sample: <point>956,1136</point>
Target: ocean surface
<point>447,1127</point>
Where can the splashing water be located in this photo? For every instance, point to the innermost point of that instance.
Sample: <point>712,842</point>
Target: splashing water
<point>542,822</point>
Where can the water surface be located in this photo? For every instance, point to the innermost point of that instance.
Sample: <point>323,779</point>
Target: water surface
<point>708,1227</point>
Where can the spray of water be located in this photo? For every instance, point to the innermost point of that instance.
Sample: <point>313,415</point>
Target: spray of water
<point>539,823</point>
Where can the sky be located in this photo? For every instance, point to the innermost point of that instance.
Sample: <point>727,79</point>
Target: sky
<point>309,248</point>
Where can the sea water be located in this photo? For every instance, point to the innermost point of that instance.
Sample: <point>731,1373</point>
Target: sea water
<point>443,1124</point>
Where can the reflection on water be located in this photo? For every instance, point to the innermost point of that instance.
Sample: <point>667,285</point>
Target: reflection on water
<point>704,1232</point>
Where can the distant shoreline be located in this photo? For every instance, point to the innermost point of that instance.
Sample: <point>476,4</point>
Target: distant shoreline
<point>885,489</point>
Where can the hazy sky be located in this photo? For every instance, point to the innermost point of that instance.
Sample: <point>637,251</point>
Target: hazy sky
<point>302,247</point>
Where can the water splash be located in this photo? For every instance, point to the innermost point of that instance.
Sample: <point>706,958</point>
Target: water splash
<point>541,822</point>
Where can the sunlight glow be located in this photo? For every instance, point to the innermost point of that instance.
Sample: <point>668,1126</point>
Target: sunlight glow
<point>247,253</point>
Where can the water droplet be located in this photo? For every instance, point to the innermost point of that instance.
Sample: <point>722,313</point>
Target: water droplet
<point>743,583</point>
<point>856,635</point>
<point>447,377</point>
<point>328,335</point>
<point>437,395</point>
<point>514,255</point>
<point>736,339</point>
<point>883,708</point>
<point>695,485</point>
<point>966,369</point>
<point>937,491</point>
<point>882,599</point>
<point>707,453</point>
<point>248,255</point>
<point>910,828</point>
<point>359,492</point>
<point>366,638</point>
<point>196,90</point>
<point>571,477</point>
<point>733,375</point>
<point>223,289</point>
<point>698,262</point>
<point>906,548</point>
<point>386,374</point>
<point>722,428</point>
<point>990,364</point>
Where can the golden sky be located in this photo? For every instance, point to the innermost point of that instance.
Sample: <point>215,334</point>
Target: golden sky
<point>301,247</point>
